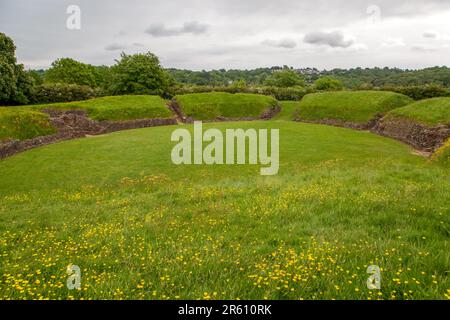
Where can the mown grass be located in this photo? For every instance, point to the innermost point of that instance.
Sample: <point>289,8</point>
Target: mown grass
<point>209,106</point>
<point>23,124</point>
<point>116,108</point>
<point>430,111</point>
<point>350,106</point>
<point>140,227</point>
<point>289,110</point>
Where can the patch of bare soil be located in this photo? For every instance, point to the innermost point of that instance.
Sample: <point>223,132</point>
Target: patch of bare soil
<point>72,124</point>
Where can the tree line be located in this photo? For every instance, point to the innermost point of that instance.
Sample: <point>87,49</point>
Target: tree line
<point>69,80</point>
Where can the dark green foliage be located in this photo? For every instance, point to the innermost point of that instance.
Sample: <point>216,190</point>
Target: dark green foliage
<point>362,78</point>
<point>328,83</point>
<point>15,83</point>
<point>284,79</point>
<point>24,86</point>
<point>421,92</point>
<point>37,76</point>
<point>70,71</point>
<point>292,93</point>
<point>139,74</point>
<point>103,76</point>
<point>59,92</point>
<point>221,77</point>
<point>380,77</point>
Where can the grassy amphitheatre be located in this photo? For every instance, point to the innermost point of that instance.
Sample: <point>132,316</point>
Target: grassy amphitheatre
<point>358,107</point>
<point>210,106</point>
<point>140,227</point>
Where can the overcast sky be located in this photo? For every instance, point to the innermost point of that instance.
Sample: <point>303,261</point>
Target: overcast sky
<point>243,34</point>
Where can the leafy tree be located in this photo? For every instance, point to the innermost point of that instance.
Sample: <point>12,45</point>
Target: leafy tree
<point>70,71</point>
<point>102,76</point>
<point>15,83</point>
<point>284,79</point>
<point>24,86</point>
<point>328,83</point>
<point>8,80</point>
<point>37,76</point>
<point>139,74</point>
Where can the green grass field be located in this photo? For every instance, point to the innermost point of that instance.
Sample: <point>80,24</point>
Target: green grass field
<point>288,110</point>
<point>209,106</point>
<point>350,106</point>
<point>140,227</point>
<point>430,111</point>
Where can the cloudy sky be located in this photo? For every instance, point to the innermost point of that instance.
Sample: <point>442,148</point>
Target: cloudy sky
<point>213,34</point>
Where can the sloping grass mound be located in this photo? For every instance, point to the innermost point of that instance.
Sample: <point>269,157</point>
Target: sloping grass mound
<point>23,124</point>
<point>210,106</point>
<point>358,107</point>
<point>424,124</point>
<point>117,108</point>
<point>431,112</point>
<point>442,155</point>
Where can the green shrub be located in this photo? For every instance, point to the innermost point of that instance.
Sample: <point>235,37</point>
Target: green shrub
<point>430,111</point>
<point>421,92</point>
<point>328,84</point>
<point>291,93</point>
<point>284,79</point>
<point>17,123</point>
<point>208,106</point>
<point>352,106</point>
<point>60,92</point>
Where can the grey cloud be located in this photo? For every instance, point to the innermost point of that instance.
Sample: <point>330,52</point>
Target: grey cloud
<point>40,34</point>
<point>192,27</point>
<point>333,39</point>
<point>423,48</point>
<point>430,35</point>
<point>283,43</point>
<point>115,47</point>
